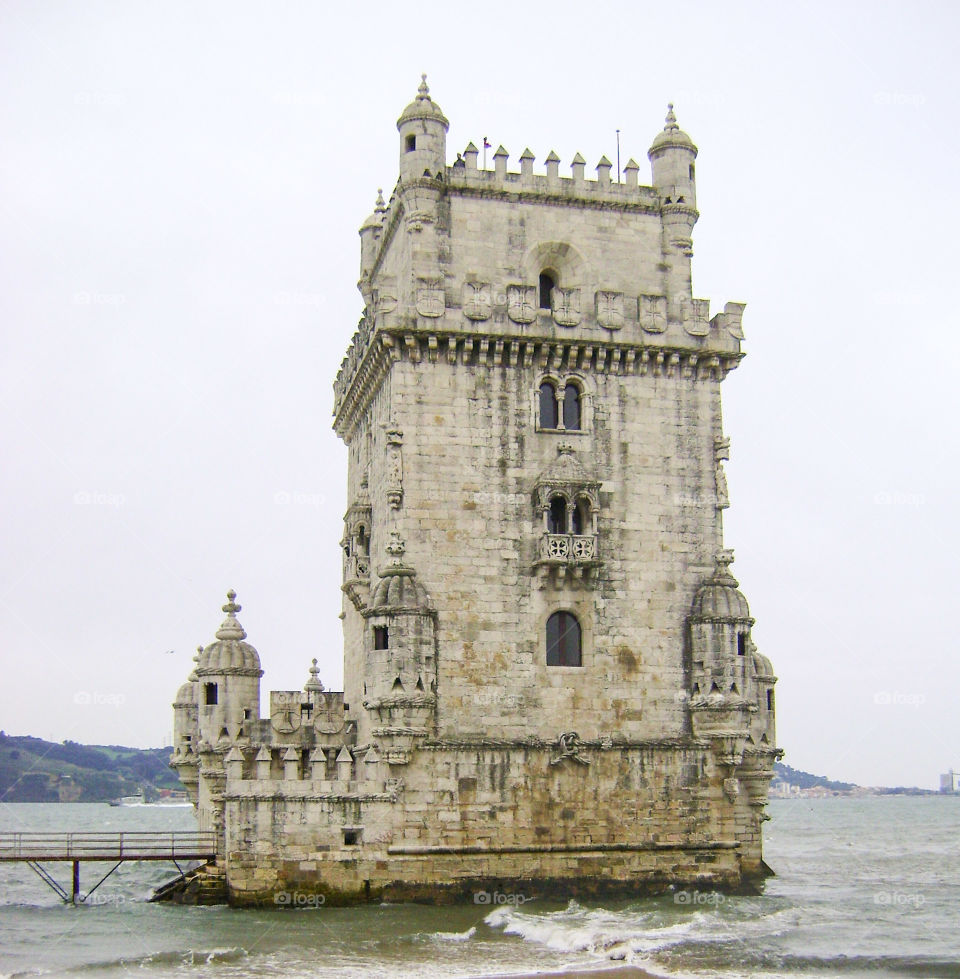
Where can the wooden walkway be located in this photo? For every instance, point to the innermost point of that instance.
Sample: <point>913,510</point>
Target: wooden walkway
<point>35,849</point>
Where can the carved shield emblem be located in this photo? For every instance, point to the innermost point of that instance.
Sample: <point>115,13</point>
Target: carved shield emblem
<point>385,302</point>
<point>566,306</point>
<point>653,313</point>
<point>520,304</point>
<point>476,300</point>
<point>697,320</point>
<point>610,310</point>
<point>430,298</point>
<point>732,318</point>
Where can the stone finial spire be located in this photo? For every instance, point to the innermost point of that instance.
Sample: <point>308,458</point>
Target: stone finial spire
<point>671,119</point>
<point>724,559</point>
<point>313,684</point>
<point>423,92</point>
<point>231,628</point>
<point>381,204</point>
<point>196,662</point>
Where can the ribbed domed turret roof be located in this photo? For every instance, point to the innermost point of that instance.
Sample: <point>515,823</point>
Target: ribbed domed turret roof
<point>672,134</point>
<point>187,694</point>
<point>230,654</point>
<point>762,666</point>
<point>398,588</point>
<point>423,107</point>
<point>719,597</point>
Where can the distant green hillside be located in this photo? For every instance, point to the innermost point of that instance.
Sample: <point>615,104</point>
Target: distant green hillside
<point>807,781</point>
<point>33,770</point>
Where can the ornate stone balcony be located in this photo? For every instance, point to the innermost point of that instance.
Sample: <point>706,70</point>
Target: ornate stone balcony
<point>563,556</point>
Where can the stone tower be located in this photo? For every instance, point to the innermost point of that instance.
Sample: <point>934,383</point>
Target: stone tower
<point>549,672</point>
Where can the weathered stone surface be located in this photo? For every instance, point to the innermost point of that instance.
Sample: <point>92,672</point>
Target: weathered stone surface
<point>532,409</point>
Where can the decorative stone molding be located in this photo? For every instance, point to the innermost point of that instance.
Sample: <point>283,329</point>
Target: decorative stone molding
<point>394,467</point>
<point>570,746</point>
<point>566,306</point>
<point>731,319</point>
<point>522,303</point>
<point>653,314</point>
<point>721,452</point>
<point>477,303</point>
<point>610,310</point>
<point>697,319</point>
<point>431,301</point>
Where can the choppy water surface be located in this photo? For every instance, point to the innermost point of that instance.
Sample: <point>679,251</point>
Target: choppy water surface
<point>865,888</point>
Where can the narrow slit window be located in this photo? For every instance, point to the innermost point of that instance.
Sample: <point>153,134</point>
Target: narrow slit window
<point>741,644</point>
<point>410,143</point>
<point>381,637</point>
<point>210,693</point>
<point>547,285</point>
<point>769,700</point>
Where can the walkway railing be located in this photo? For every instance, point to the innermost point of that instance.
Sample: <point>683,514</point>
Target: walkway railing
<point>107,846</point>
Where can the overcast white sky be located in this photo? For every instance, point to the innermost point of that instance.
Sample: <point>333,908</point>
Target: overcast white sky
<point>182,185</point>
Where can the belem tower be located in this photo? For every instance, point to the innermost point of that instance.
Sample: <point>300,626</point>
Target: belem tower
<point>550,683</point>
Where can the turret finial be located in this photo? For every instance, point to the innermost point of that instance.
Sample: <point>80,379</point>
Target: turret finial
<point>381,204</point>
<point>423,92</point>
<point>314,682</point>
<point>230,627</point>
<point>671,119</point>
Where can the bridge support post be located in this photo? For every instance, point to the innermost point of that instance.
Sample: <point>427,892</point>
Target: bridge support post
<point>76,882</point>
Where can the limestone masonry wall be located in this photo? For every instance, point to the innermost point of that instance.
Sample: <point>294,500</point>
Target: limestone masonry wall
<point>550,680</point>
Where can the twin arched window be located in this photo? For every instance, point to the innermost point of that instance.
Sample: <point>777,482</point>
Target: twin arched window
<point>580,518</point>
<point>564,640</point>
<point>550,407</point>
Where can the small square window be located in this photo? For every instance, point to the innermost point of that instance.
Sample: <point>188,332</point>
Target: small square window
<point>352,837</point>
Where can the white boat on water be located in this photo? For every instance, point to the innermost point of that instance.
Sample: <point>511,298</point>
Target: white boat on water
<point>138,801</point>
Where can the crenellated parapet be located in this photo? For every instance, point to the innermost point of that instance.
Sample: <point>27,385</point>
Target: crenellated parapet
<point>431,285</point>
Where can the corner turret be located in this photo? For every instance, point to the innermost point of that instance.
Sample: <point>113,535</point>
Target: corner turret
<point>369,235</point>
<point>672,156</point>
<point>423,137</point>
<point>228,672</point>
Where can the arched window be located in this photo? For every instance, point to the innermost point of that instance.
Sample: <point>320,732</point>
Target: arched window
<point>363,543</point>
<point>581,518</point>
<point>571,408</point>
<point>557,516</point>
<point>549,412</point>
<point>547,283</point>
<point>564,640</point>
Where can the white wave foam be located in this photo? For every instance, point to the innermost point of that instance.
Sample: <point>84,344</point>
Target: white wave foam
<point>605,934</point>
<point>454,936</point>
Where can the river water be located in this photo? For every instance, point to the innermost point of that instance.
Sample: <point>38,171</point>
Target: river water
<point>864,888</point>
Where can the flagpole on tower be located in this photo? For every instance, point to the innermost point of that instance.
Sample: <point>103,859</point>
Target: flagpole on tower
<point>485,145</point>
<point>618,156</point>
